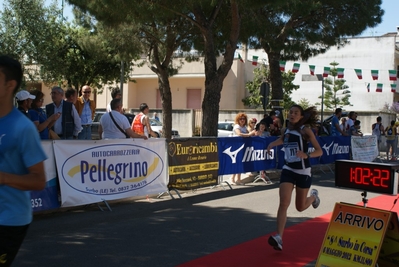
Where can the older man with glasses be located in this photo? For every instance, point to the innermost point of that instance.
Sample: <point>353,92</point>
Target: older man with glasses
<point>86,109</point>
<point>69,125</point>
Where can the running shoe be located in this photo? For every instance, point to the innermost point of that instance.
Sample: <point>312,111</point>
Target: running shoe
<point>316,202</point>
<point>276,242</point>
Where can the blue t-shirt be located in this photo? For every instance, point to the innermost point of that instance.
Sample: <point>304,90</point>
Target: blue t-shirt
<point>40,116</point>
<point>20,148</point>
<point>334,130</point>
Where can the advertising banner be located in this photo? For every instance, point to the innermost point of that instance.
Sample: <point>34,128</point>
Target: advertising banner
<point>193,162</point>
<point>389,254</point>
<point>245,154</point>
<point>364,148</point>
<point>93,171</point>
<point>47,198</point>
<point>354,236</point>
<point>334,147</point>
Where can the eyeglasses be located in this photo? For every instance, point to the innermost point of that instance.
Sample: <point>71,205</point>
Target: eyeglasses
<point>252,122</point>
<point>243,119</point>
<point>87,92</point>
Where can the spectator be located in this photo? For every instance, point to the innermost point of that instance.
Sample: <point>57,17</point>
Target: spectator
<point>355,129</point>
<point>343,124</point>
<point>114,125</point>
<point>71,95</point>
<point>240,129</point>
<point>115,94</point>
<point>21,164</point>
<point>378,130</point>
<point>141,123</point>
<point>24,101</point>
<point>262,130</point>
<point>335,129</point>
<point>251,124</point>
<point>350,121</point>
<point>275,127</point>
<point>391,137</point>
<point>39,117</point>
<point>155,116</point>
<point>268,120</point>
<point>86,109</point>
<point>68,125</point>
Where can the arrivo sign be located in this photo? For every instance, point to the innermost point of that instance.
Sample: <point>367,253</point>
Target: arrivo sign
<point>367,176</point>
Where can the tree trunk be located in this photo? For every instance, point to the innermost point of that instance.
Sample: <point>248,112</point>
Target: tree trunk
<point>166,98</point>
<point>276,81</point>
<point>215,75</point>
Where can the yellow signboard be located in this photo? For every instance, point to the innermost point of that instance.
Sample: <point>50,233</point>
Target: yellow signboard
<point>389,254</point>
<point>354,236</point>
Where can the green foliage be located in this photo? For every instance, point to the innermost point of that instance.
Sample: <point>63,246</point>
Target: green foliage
<point>304,103</point>
<point>336,92</point>
<point>262,74</point>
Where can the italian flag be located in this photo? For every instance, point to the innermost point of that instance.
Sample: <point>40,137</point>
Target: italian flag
<point>393,87</point>
<point>392,75</point>
<point>374,74</point>
<point>295,68</point>
<point>282,65</point>
<point>340,72</point>
<point>311,69</point>
<point>254,60</point>
<point>359,73</point>
<point>326,71</point>
<point>379,88</point>
<point>240,58</point>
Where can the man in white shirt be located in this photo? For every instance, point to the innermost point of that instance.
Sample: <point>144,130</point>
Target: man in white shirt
<point>109,122</point>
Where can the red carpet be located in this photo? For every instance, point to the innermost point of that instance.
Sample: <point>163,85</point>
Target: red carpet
<point>302,243</point>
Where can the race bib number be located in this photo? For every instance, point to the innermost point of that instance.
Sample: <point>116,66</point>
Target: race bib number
<point>290,150</point>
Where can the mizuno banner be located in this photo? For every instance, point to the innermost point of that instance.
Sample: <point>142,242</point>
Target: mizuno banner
<point>93,171</point>
<point>245,154</point>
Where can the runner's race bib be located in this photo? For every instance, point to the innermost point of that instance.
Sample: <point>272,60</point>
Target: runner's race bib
<point>290,150</point>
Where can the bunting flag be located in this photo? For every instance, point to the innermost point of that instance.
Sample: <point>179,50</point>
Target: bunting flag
<point>240,58</point>
<point>311,69</point>
<point>295,68</point>
<point>368,88</point>
<point>379,88</point>
<point>340,72</point>
<point>282,65</point>
<point>326,71</point>
<point>254,60</point>
<point>392,75</point>
<point>359,73</point>
<point>393,87</point>
<point>374,74</point>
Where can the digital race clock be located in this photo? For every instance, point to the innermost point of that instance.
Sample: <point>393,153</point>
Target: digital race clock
<point>367,176</point>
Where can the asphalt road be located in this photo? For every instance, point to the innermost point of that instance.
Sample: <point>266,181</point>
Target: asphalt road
<point>166,232</point>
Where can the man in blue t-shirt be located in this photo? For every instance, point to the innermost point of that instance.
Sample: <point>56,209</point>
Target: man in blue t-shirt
<point>335,128</point>
<point>21,164</point>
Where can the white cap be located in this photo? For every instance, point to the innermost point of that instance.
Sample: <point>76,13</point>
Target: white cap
<point>23,95</point>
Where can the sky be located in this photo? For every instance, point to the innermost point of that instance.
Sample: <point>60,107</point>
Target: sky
<point>389,21</point>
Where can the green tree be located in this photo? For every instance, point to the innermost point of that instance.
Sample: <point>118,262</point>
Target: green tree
<point>262,74</point>
<point>164,37</point>
<point>293,30</point>
<point>336,91</point>
<point>304,103</point>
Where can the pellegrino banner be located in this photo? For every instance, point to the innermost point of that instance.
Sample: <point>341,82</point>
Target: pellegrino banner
<point>93,171</point>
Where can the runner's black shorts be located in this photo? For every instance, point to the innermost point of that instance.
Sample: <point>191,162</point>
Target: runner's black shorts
<point>299,180</point>
<point>11,238</point>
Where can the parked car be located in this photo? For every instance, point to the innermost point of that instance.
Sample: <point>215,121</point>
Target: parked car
<point>96,123</point>
<point>156,126</point>
<point>225,128</point>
